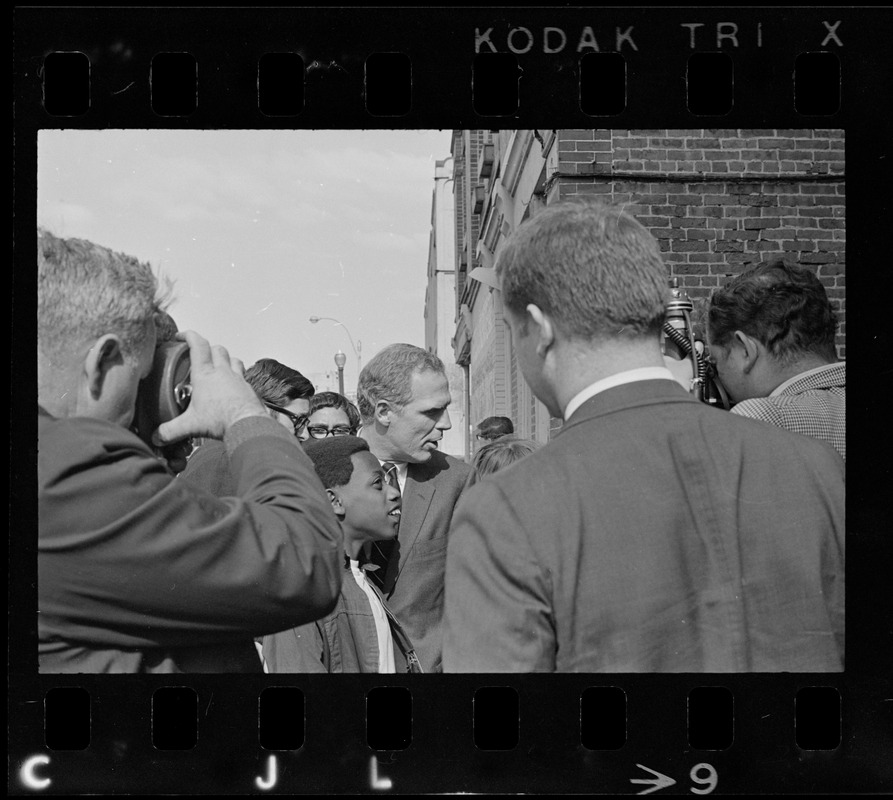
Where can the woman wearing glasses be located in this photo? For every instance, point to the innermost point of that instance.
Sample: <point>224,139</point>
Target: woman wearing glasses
<point>332,414</point>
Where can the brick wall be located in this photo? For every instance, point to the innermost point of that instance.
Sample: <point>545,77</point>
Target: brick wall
<point>719,201</point>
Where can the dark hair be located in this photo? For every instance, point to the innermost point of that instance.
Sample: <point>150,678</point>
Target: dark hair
<point>499,454</point>
<point>495,426</point>
<point>784,306</point>
<point>388,376</point>
<point>592,267</point>
<point>331,458</point>
<point>335,400</point>
<point>165,327</point>
<point>275,383</point>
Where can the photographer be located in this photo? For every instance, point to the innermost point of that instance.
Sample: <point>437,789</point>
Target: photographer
<point>771,333</point>
<point>137,570</point>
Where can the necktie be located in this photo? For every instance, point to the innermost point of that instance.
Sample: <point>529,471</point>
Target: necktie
<point>381,551</point>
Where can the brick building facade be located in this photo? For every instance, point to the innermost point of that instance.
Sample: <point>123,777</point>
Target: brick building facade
<point>717,201</point>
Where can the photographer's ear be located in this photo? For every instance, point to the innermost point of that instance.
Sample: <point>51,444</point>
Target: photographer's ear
<point>105,354</point>
<point>751,350</point>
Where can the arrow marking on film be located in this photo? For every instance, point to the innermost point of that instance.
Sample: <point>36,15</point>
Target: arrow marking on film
<point>659,781</point>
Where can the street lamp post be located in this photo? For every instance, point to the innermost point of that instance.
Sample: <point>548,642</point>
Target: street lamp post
<point>357,348</point>
<point>340,361</point>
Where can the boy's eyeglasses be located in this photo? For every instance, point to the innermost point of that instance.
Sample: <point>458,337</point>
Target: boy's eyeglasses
<point>298,421</point>
<point>488,438</point>
<point>321,432</point>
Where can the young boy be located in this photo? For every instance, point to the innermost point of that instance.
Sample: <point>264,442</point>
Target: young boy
<point>361,634</point>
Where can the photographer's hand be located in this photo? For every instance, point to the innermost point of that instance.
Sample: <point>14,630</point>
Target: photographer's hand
<point>220,394</point>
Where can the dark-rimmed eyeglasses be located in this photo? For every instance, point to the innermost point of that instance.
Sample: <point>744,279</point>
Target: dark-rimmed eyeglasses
<point>321,431</point>
<point>298,421</point>
<point>490,437</point>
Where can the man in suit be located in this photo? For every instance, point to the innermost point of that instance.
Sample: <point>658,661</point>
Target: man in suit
<point>655,533</point>
<point>403,396</point>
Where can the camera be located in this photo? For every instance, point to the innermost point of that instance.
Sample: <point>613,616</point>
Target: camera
<point>686,356</point>
<point>165,393</point>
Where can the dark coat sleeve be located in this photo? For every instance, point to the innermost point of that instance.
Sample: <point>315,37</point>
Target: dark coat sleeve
<point>130,556</point>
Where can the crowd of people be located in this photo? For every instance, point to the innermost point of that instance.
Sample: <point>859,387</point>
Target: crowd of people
<point>306,533</point>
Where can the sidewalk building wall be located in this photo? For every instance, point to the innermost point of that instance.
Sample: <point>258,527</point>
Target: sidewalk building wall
<point>440,301</point>
<point>718,201</point>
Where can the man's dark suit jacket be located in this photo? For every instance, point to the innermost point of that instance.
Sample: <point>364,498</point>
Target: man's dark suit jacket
<point>414,578</point>
<point>140,572</point>
<point>654,534</point>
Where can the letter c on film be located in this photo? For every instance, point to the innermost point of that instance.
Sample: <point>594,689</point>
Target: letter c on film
<point>29,777</point>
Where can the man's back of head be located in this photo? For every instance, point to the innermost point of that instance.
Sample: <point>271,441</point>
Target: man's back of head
<point>585,295</point>
<point>591,266</point>
<point>783,305</point>
<point>494,427</point>
<point>768,325</point>
<point>96,312</point>
<point>85,290</point>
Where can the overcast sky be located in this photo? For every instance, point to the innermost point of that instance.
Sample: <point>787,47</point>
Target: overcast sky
<point>261,230</point>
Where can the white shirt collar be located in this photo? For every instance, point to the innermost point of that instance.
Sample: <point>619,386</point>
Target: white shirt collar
<point>814,371</point>
<point>618,379</point>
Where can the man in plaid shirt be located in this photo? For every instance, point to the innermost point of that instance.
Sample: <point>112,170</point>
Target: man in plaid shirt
<point>771,335</point>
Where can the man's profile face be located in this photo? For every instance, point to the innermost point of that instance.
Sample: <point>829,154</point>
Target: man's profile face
<point>416,428</point>
<point>371,504</point>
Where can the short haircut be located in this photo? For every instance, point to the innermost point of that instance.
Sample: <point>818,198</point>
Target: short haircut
<point>499,454</point>
<point>388,376</point>
<point>275,383</point>
<point>331,458</point>
<point>335,400</point>
<point>495,426</point>
<point>782,305</point>
<point>85,291</point>
<point>594,269</point>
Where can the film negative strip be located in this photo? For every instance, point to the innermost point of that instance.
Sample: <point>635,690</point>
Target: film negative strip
<point>654,73</point>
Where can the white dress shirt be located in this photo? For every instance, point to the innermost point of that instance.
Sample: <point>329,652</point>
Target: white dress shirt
<point>382,626</point>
